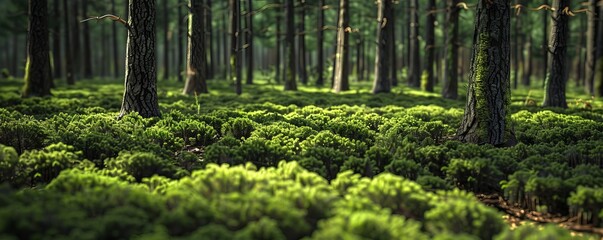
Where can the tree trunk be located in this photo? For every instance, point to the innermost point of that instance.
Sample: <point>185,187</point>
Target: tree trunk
<point>545,45</point>
<point>56,41</point>
<point>195,56</point>
<point>301,41</point>
<point>341,79</point>
<point>599,74</point>
<point>556,81</point>
<point>414,70</point>
<point>430,45</point>
<point>527,67</point>
<point>591,47</point>
<point>393,74</point>
<point>320,41</point>
<point>249,42</point>
<point>290,84</point>
<point>75,35</point>
<point>68,47</point>
<point>451,65</point>
<point>87,47</point>
<point>486,119</point>
<point>115,47</point>
<point>37,68</point>
<point>140,93</point>
<point>210,42</point>
<point>181,35</point>
<point>517,49</point>
<point>235,43</point>
<point>278,46</point>
<point>166,40</point>
<point>382,83</point>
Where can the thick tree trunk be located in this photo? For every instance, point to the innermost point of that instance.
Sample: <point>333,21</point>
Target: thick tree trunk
<point>591,47</point>
<point>195,57</point>
<point>37,68</point>
<point>114,47</point>
<point>56,41</point>
<point>180,46</point>
<point>486,119</point>
<point>556,80</point>
<point>430,45</point>
<point>140,94</point>
<point>69,60</point>
<point>249,42</point>
<point>451,81</point>
<point>341,80</point>
<point>382,83</point>
<point>87,47</point>
<point>320,42</point>
<point>414,69</point>
<point>290,84</point>
<point>301,41</point>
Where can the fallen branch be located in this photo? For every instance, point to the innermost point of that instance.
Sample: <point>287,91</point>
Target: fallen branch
<point>109,16</point>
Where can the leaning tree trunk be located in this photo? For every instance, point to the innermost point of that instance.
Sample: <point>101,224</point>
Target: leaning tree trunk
<point>37,68</point>
<point>486,119</point>
<point>430,42</point>
<point>414,70</point>
<point>140,93</point>
<point>235,45</point>
<point>556,80</point>
<point>195,57</point>
<point>320,41</point>
<point>591,47</point>
<point>341,78</point>
<point>290,84</point>
<point>382,83</point>
<point>451,81</point>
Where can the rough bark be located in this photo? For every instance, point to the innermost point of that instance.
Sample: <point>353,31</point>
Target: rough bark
<point>451,65</point>
<point>140,94</point>
<point>320,42</point>
<point>56,41</point>
<point>486,119</point>
<point>69,75</point>
<point>87,47</point>
<point>290,84</point>
<point>249,42</point>
<point>37,68</point>
<point>382,83</point>
<point>342,61</point>
<point>556,80</point>
<point>430,45</point>
<point>195,56</point>
<point>591,47</point>
<point>414,69</point>
<point>235,45</point>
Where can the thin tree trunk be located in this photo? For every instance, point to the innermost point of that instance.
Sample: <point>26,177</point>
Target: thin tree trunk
<point>68,47</point>
<point>278,46</point>
<point>545,46</point>
<point>320,41</point>
<point>301,41</point>
<point>210,42</point>
<point>235,43</point>
<point>341,80</point>
<point>599,55</point>
<point>249,42</point>
<point>486,119</point>
<point>166,40</point>
<point>556,81</point>
<point>430,45</point>
<point>414,71</point>
<point>591,48</point>
<point>15,55</point>
<point>382,83</point>
<point>450,87</point>
<point>290,84</point>
<point>56,40</point>
<point>87,47</point>
<point>527,69</point>
<point>181,35</point>
<point>196,71</point>
<point>140,93</point>
<point>37,75</point>
<point>114,47</point>
<point>579,78</point>
<point>393,75</point>
<point>75,35</point>
<point>516,48</point>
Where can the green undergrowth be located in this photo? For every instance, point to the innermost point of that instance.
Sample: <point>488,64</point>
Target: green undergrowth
<point>283,165</point>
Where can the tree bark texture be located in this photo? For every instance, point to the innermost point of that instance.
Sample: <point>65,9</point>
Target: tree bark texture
<point>37,69</point>
<point>320,42</point>
<point>486,119</point>
<point>430,45</point>
<point>235,45</point>
<point>195,56</point>
<point>556,80</point>
<point>140,94</point>
<point>591,46</point>
<point>414,71</point>
<point>249,42</point>
<point>451,65</point>
<point>382,83</point>
<point>342,61</point>
<point>290,84</point>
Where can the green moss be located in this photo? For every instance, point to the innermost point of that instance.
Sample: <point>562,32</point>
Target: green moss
<point>480,85</point>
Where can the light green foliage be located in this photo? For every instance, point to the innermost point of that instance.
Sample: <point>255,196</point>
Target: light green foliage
<point>41,166</point>
<point>141,164</point>
<point>531,232</point>
<point>9,161</point>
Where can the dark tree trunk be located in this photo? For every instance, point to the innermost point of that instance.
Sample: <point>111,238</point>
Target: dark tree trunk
<point>517,49</point>
<point>382,83</point>
<point>56,40</point>
<point>301,41</point>
<point>140,93</point>
<point>342,61</point>
<point>408,38</point>
<point>195,56</point>
<point>430,45</point>
<point>393,70</point>
<point>290,84</point>
<point>527,67</point>
<point>37,69</point>
<point>545,46</point>
<point>166,40</point>
<point>249,41</point>
<point>69,60</point>
<point>225,39</point>
<point>414,69</point>
<point>87,47</point>
<point>278,45</point>
<point>75,35</point>
<point>599,55</point>
<point>451,65</point>
<point>591,47</point>
<point>556,80</point>
<point>235,43</point>
<point>210,42</point>
<point>181,35</point>
<point>486,119</point>
<point>320,41</point>
<point>114,47</point>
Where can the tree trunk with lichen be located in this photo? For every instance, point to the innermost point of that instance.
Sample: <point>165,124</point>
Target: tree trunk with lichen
<point>486,119</point>
<point>140,93</point>
<point>382,83</point>
<point>556,80</point>
<point>37,69</point>
<point>341,80</point>
<point>195,58</point>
